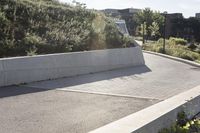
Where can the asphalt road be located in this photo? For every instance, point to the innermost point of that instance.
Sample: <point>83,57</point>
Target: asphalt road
<point>62,112</point>
<point>84,103</point>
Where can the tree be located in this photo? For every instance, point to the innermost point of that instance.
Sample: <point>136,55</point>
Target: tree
<point>143,31</point>
<point>148,16</point>
<point>154,30</point>
<point>159,19</point>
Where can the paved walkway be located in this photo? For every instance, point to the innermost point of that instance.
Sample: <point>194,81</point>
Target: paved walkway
<point>84,103</point>
<point>139,42</point>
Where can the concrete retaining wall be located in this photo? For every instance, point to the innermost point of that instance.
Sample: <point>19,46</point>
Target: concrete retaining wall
<point>29,69</point>
<point>158,116</point>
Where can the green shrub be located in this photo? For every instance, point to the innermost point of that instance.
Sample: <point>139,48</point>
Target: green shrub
<point>128,41</point>
<point>183,125</point>
<point>182,53</point>
<point>192,46</point>
<point>157,47</point>
<point>31,40</point>
<point>198,49</point>
<point>47,26</point>
<point>32,51</point>
<point>160,41</point>
<point>172,49</point>
<point>113,36</point>
<point>177,41</point>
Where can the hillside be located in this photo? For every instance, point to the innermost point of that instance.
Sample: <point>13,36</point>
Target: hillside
<point>29,27</point>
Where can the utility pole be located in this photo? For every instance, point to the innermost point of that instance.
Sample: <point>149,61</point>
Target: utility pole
<point>143,41</point>
<point>164,35</point>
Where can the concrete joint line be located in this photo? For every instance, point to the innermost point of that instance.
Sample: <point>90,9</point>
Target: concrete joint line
<point>110,94</point>
<point>95,93</point>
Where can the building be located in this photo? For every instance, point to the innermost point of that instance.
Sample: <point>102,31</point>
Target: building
<point>187,28</point>
<point>169,22</point>
<point>129,11</point>
<point>111,12</point>
<point>121,12</point>
<point>125,14</point>
<point>197,15</point>
<point>128,15</point>
<point>176,25</point>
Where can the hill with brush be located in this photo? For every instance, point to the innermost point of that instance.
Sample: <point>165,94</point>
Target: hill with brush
<point>29,27</point>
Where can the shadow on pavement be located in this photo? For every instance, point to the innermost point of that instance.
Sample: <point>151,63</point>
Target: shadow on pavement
<point>71,81</point>
<point>17,90</point>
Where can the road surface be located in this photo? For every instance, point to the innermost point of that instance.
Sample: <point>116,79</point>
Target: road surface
<point>84,103</point>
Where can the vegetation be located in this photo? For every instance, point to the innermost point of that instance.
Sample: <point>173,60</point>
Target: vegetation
<point>29,27</point>
<point>177,41</point>
<point>150,23</point>
<point>183,125</point>
<point>175,47</point>
<point>151,28</point>
<point>155,30</point>
<point>180,27</point>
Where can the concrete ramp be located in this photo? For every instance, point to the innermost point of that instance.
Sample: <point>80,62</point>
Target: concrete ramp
<point>121,24</point>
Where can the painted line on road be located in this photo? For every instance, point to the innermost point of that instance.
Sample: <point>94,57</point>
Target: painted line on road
<point>110,94</point>
<point>96,93</point>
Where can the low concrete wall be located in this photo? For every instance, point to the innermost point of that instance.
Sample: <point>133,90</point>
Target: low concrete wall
<point>158,116</point>
<point>43,67</point>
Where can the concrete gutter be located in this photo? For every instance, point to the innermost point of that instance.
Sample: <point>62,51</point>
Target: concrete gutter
<point>174,58</point>
<point>158,116</point>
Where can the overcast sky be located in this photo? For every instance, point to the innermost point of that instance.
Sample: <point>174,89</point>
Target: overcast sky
<point>187,7</point>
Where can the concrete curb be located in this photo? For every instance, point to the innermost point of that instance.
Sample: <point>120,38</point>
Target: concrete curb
<point>174,58</point>
<point>158,116</point>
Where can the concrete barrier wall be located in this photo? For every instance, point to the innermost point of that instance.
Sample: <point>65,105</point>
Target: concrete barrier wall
<point>158,116</point>
<point>189,102</point>
<point>43,67</point>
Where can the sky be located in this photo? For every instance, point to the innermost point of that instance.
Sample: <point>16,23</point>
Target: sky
<point>187,7</point>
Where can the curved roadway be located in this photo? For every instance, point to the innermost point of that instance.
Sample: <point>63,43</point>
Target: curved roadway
<point>84,103</point>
